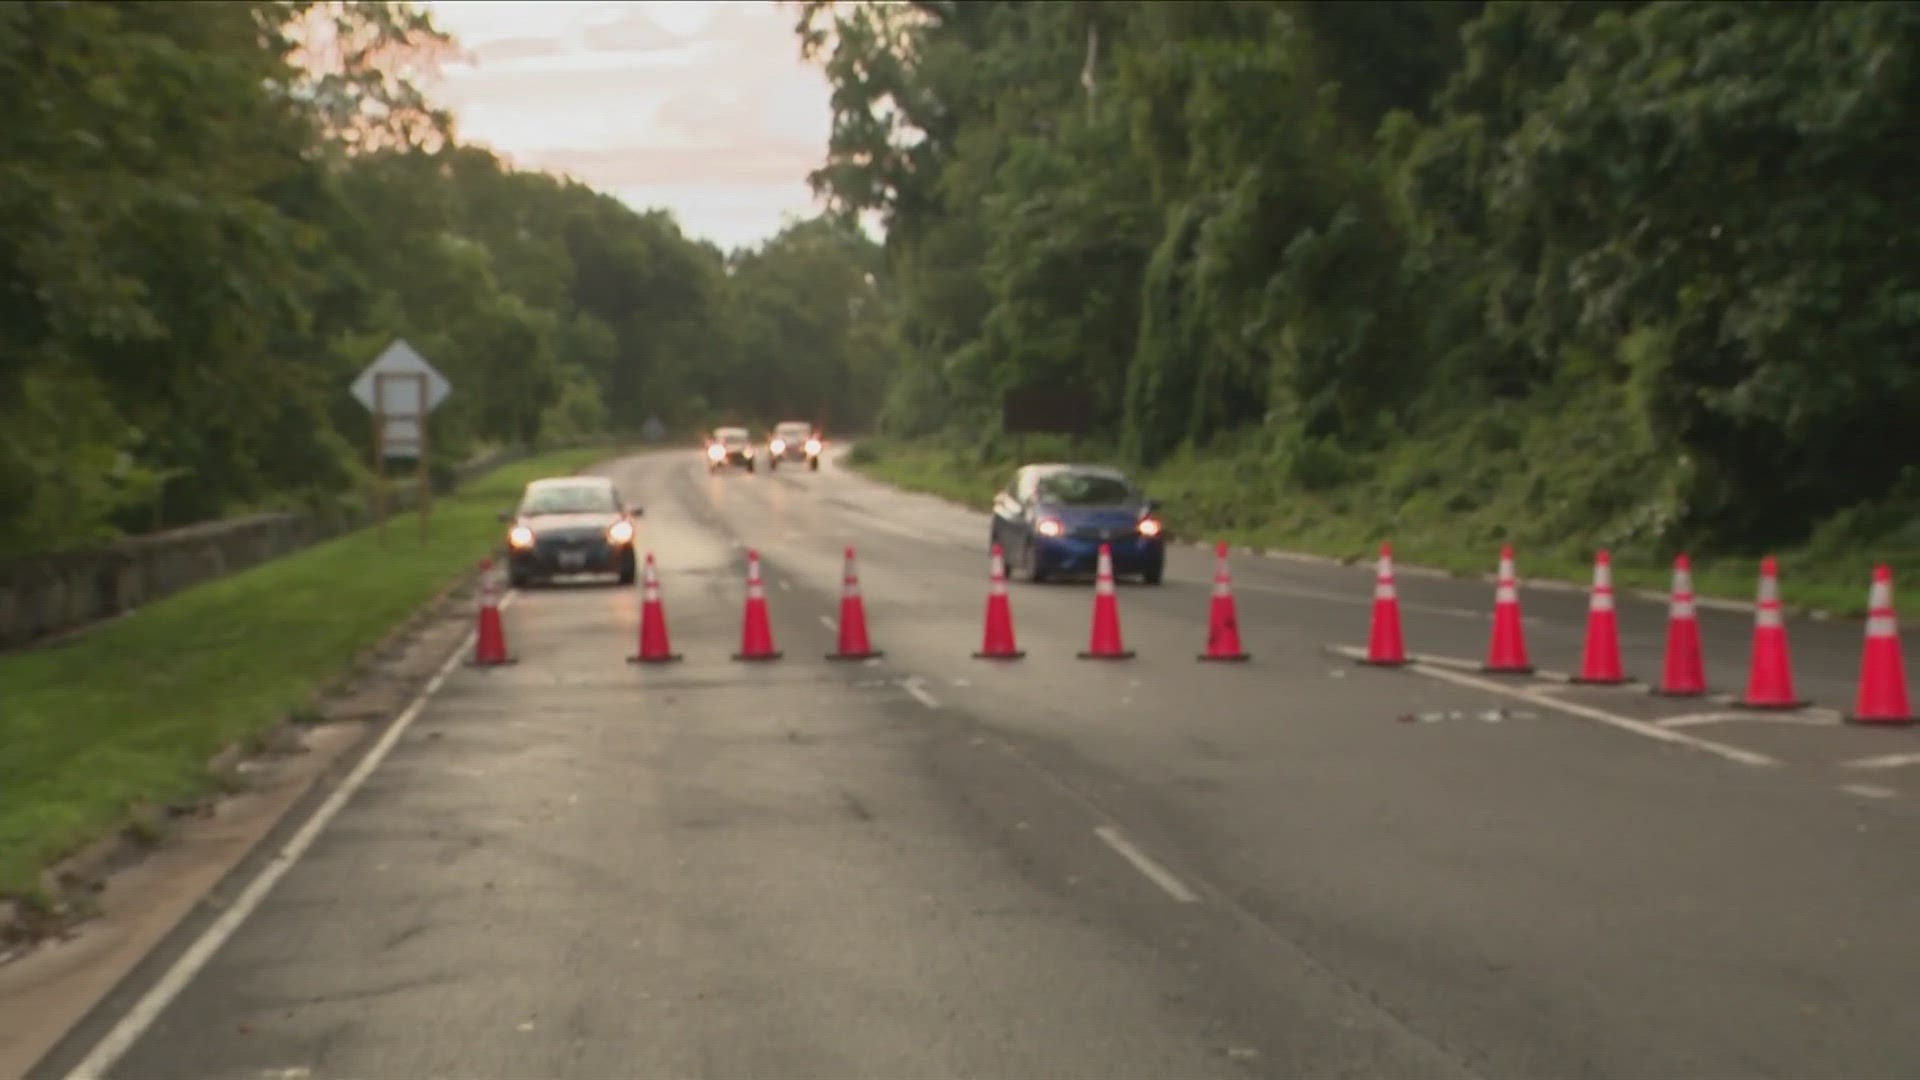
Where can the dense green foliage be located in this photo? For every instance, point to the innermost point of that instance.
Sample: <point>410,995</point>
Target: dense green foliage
<point>216,214</point>
<point>1636,274</point>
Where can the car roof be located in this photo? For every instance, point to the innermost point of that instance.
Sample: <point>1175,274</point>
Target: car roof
<point>729,431</point>
<point>1052,467</point>
<point>795,423</point>
<point>571,481</point>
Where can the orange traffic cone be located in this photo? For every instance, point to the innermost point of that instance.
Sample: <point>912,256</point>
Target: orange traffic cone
<point>1685,674</point>
<point>1106,643</point>
<point>654,645</point>
<point>1883,673</point>
<point>1600,661</point>
<point>853,619</point>
<point>1386,646</point>
<point>1223,619</point>
<point>1770,676</point>
<point>1507,654</point>
<point>756,633</point>
<point>997,643</point>
<point>490,641</point>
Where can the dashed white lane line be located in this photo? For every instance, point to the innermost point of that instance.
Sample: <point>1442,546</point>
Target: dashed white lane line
<point>1887,761</point>
<point>1144,863</point>
<point>1869,791</point>
<point>920,693</point>
<point>1585,712</point>
<point>827,621</point>
<point>1360,599</point>
<point>117,1041</point>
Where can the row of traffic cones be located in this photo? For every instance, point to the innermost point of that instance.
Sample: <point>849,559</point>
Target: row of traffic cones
<point>997,642</point>
<point>1882,697</point>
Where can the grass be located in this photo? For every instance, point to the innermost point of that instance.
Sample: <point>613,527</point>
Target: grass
<point>97,732</point>
<point>1238,498</point>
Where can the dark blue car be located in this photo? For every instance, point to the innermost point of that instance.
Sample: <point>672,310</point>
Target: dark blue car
<point>1052,519</point>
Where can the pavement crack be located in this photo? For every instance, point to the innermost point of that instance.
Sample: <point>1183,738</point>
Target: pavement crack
<point>855,807</point>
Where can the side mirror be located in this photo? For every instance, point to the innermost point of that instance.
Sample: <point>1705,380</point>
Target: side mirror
<point>506,517</point>
<point>638,511</point>
<point>1153,506</point>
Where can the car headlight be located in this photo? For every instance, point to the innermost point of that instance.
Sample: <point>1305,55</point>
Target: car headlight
<point>1150,528</point>
<point>779,446</point>
<point>716,451</point>
<point>813,447</point>
<point>620,532</point>
<point>520,537</point>
<point>1050,527</point>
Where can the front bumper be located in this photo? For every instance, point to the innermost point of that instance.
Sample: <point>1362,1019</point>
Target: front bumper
<point>1069,555</point>
<point>737,459</point>
<point>548,557</point>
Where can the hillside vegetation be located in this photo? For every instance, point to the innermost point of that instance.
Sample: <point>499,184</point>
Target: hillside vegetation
<point>212,216</point>
<point>1637,275</point>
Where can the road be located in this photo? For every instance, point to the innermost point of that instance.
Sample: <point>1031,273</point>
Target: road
<point>932,866</point>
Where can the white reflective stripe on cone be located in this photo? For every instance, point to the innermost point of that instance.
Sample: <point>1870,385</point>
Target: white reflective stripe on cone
<point>1383,590</point>
<point>1880,597</point>
<point>1768,615</point>
<point>1682,609</point>
<point>1769,590</point>
<point>1506,594</point>
<point>1882,626</point>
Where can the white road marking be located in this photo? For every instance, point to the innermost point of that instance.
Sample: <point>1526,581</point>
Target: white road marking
<point>1700,719</point>
<point>827,621</point>
<point>920,694</point>
<point>117,1041</point>
<point>1585,712</point>
<point>785,585</point>
<point>1869,791</point>
<point>1153,871</point>
<point>1888,761</point>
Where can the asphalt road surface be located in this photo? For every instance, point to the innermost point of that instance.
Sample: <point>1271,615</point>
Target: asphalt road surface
<point>933,866</point>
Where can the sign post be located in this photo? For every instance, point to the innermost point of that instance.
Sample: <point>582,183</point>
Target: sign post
<point>400,388</point>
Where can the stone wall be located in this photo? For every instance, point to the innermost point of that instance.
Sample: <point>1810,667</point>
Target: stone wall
<point>46,595</point>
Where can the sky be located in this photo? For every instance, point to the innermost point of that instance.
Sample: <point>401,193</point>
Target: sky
<point>703,108</point>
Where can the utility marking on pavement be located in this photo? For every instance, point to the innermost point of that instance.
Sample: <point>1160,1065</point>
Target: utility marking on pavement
<point>1154,872</point>
<point>1869,791</point>
<point>1701,719</point>
<point>827,621</point>
<point>1586,712</point>
<point>120,1038</point>
<point>1887,761</point>
<point>920,694</point>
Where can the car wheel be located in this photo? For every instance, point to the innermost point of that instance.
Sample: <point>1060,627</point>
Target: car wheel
<point>1152,577</point>
<point>1030,564</point>
<point>627,571</point>
<point>813,464</point>
<point>753,466</point>
<point>772,465</point>
<point>518,581</point>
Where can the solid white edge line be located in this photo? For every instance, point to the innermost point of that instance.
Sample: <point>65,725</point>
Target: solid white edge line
<point>1614,720</point>
<point>114,1045</point>
<point>1585,712</point>
<point>1888,761</point>
<point>1153,871</point>
<point>920,694</point>
<point>1869,791</point>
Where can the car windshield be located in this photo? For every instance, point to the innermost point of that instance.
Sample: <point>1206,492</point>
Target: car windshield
<point>732,436</point>
<point>793,431</point>
<point>569,499</point>
<point>1084,489</point>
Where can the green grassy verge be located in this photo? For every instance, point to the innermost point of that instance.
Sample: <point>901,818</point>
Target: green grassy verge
<point>127,717</point>
<point>1237,498</point>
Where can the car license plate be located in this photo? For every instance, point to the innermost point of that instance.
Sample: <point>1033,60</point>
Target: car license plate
<point>572,560</point>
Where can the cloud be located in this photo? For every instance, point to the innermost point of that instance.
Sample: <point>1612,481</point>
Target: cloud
<point>508,49</point>
<point>633,30</point>
<point>720,160</point>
